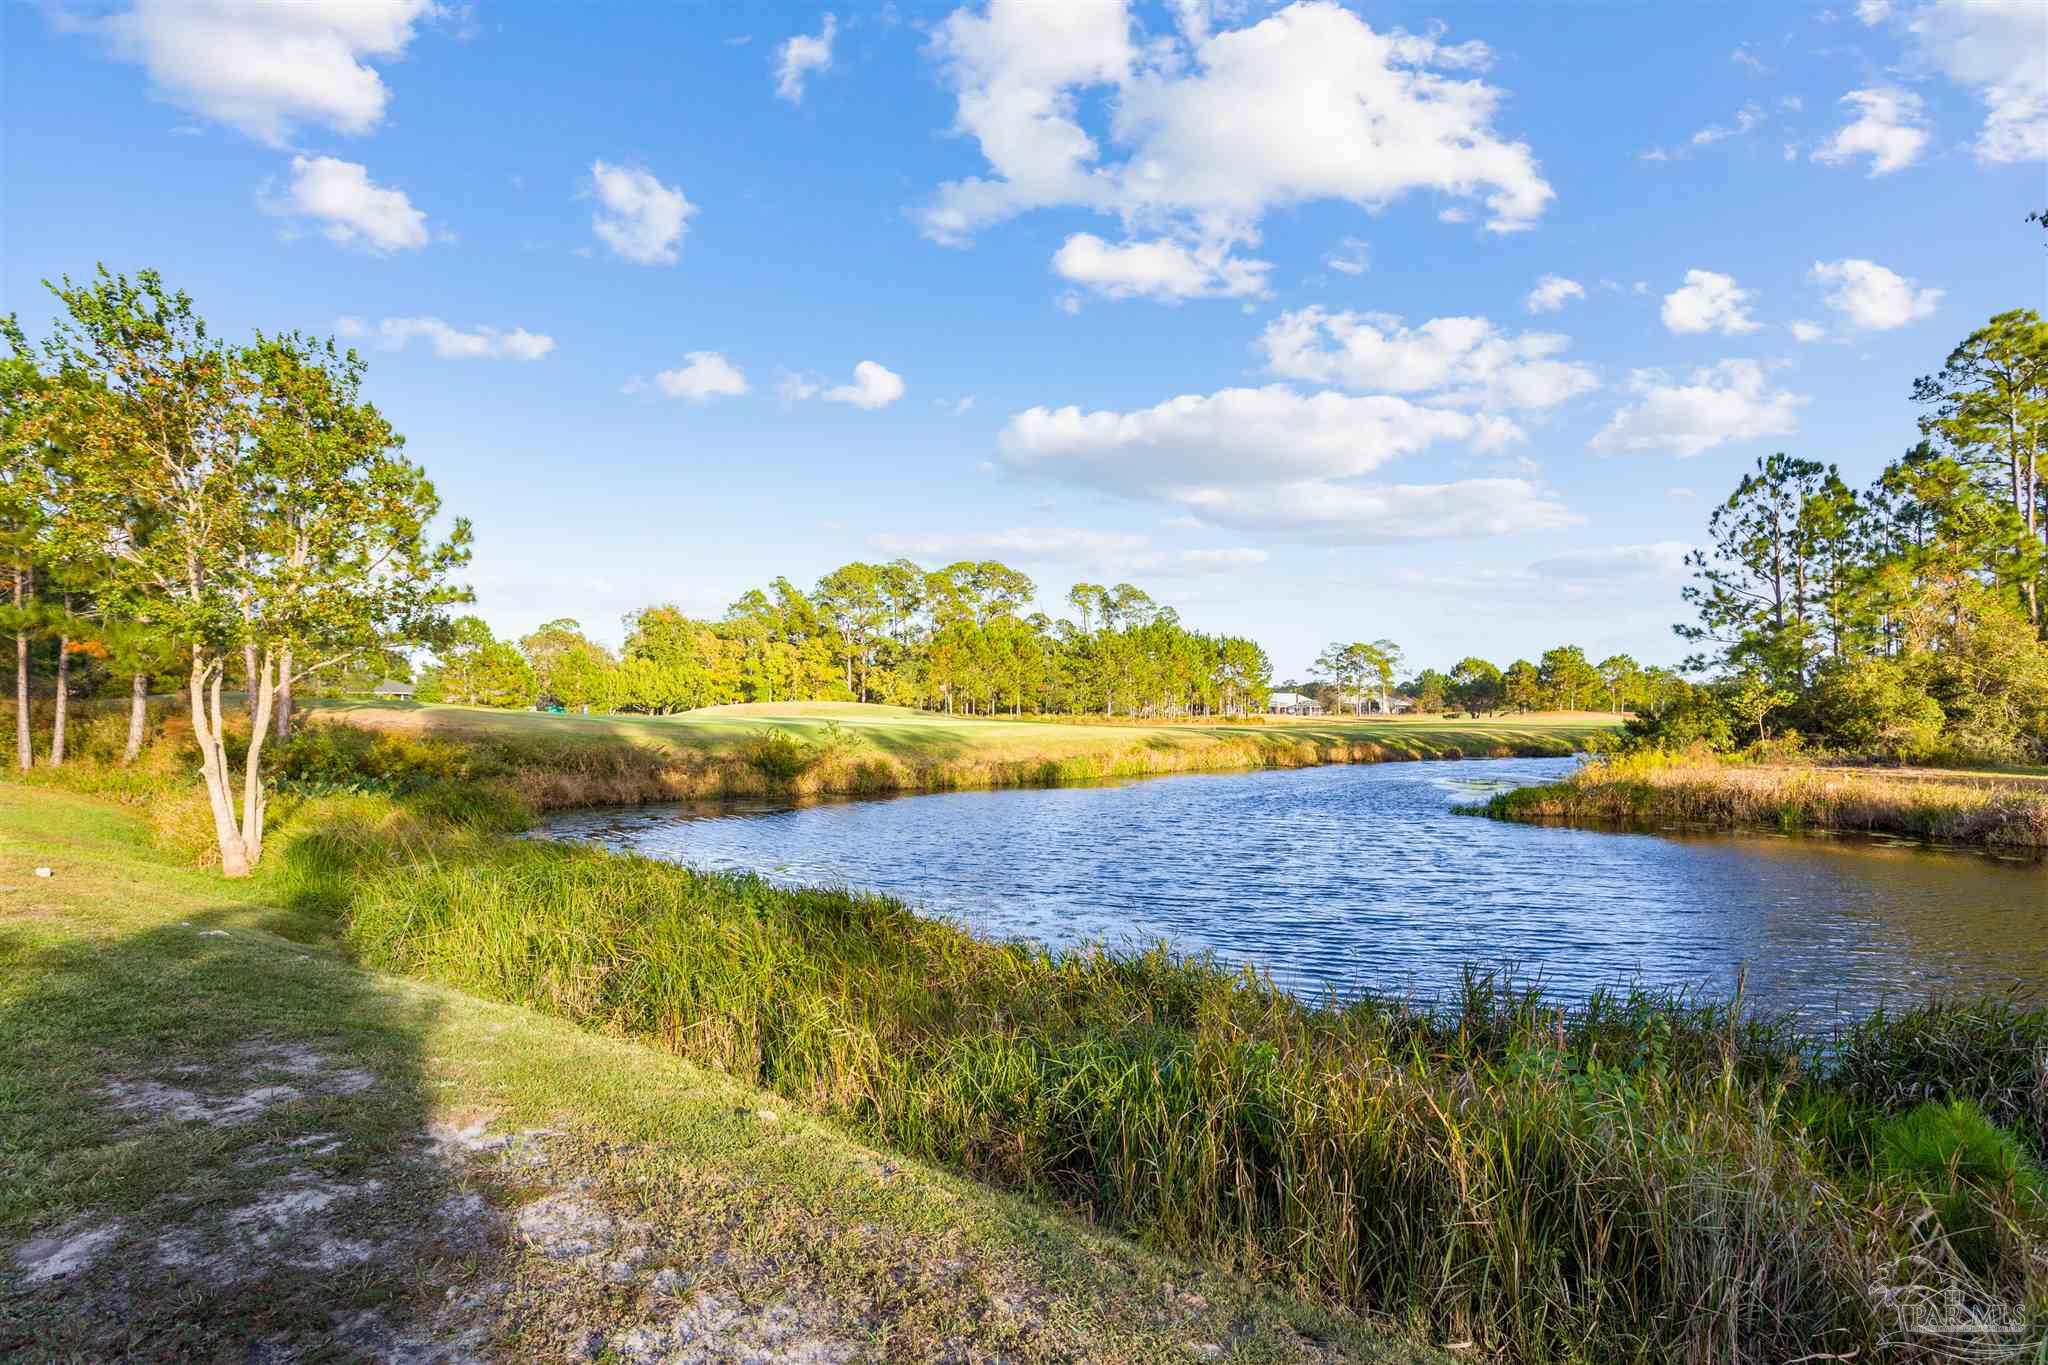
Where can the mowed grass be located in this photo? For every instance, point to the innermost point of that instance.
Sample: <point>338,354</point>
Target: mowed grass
<point>846,748</point>
<point>123,975</point>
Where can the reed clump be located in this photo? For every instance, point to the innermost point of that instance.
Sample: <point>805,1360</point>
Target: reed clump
<point>1639,1177</point>
<point>1698,789</point>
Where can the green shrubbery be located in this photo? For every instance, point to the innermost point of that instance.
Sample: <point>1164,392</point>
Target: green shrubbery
<point>1977,1177</point>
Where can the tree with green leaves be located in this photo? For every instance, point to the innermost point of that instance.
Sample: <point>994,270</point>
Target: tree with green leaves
<point>1476,686</point>
<point>1988,407</point>
<point>1619,674</point>
<point>247,500</point>
<point>1347,666</point>
<point>1521,686</point>
<point>473,667</point>
<point>1753,590</point>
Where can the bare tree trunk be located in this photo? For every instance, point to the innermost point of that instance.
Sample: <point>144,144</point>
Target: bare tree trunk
<point>207,672</point>
<point>249,677</point>
<point>252,766</point>
<point>284,694</point>
<point>24,738</point>
<point>138,718</point>
<point>62,711</point>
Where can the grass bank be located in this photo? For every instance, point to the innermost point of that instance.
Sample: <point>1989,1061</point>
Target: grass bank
<point>1640,1178</point>
<point>1995,810</point>
<point>222,1140</point>
<point>832,748</point>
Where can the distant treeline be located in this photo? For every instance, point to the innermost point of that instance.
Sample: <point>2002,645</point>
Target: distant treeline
<point>957,639</point>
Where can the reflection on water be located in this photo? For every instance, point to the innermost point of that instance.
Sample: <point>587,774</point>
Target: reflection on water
<point>1356,878</point>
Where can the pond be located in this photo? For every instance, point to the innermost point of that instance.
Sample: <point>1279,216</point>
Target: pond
<point>1363,878</point>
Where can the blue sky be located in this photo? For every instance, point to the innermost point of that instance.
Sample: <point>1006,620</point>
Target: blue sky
<point>1435,322</point>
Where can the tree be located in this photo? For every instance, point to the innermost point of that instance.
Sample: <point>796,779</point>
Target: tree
<point>569,669</point>
<point>1620,674</point>
<point>1431,691</point>
<point>25,513</point>
<point>1384,659</point>
<point>241,505</point>
<point>1565,678</point>
<point>1522,686</point>
<point>1988,406</point>
<point>473,667</point>
<point>1348,666</point>
<point>339,560</point>
<point>1476,686</point>
<point>1753,592</point>
<point>1753,698</point>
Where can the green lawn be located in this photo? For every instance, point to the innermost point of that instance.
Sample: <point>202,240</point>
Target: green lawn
<point>220,1140</point>
<point>857,748</point>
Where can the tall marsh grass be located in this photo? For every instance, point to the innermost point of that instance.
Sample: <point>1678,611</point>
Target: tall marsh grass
<point>1650,788</point>
<point>1639,1178</point>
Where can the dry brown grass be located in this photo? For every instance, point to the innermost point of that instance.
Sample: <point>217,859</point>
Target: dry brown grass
<point>1989,809</point>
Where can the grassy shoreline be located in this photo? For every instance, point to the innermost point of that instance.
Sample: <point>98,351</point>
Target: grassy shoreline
<point>2006,812</point>
<point>843,749</point>
<point>1641,1177</point>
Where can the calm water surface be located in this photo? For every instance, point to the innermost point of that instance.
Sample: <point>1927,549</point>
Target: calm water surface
<point>1361,878</point>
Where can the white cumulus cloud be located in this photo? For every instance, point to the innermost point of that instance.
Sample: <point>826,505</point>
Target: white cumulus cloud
<point>1731,401</point>
<point>800,56</point>
<point>874,386</point>
<point>1889,128</point>
<point>1804,331</point>
<point>702,376</point>
<point>456,343</point>
<point>1872,297</point>
<point>1385,513</point>
<point>1160,269</point>
<point>1276,460</point>
<point>1459,361</point>
<point>266,68</point>
<point>350,208</point>
<point>1709,302</point>
<point>1342,112</point>
<point>1999,48</point>
<point>1234,437</point>
<point>639,218</point>
<point>1552,293</point>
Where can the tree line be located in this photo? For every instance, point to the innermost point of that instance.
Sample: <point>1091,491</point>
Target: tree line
<point>1358,677</point>
<point>962,640</point>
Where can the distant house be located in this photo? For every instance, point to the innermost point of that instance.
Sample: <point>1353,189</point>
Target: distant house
<point>1369,704</point>
<point>1293,704</point>
<point>390,688</point>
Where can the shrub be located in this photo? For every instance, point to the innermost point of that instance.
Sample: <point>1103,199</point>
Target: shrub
<point>1872,706</point>
<point>778,755</point>
<point>1974,1174</point>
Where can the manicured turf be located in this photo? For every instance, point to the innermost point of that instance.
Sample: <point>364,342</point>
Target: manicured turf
<point>931,736</point>
<point>821,747</point>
